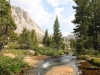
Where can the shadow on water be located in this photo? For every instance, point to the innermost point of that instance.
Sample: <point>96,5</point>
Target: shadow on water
<point>51,62</point>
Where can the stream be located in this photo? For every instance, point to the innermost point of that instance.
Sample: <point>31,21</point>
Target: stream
<point>49,63</point>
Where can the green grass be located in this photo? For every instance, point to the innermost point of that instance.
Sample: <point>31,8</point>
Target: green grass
<point>91,59</point>
<point>96,61</point>
<point>19,52</point>
<point>48,51</point>
<point>11,66</point>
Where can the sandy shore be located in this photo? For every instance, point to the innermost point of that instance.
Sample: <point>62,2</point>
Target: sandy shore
<point>33,60</point>
<point>62,70</point>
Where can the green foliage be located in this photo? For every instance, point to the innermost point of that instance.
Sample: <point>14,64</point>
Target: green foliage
<point>57,34</point>
<point>79,46</point>
<point>33,40</point>
<point>63,46</point>
<point>24,38</point>
<point>28,39</point>
<point>72,43</point>
<point>46,39</point>
<point>87,23</point>
<point>88,43</point>
<point>7,25</point>
<point>9,66</point>
<point>60,52</point>
<point>56,54</point>
<point>82,57</point>
<point>96,61</point>
<point>19,52</point>
<point>13,45</point>
<point>48,51</point>
<point>93,60</point>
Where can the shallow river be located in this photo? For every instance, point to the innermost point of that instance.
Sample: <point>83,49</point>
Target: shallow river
<point>49,63</point>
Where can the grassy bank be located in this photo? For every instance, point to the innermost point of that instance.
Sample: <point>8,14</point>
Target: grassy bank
<point>49,51</point>
<point>92,59</point>
<point>19,52</point>
<point>11,66</point>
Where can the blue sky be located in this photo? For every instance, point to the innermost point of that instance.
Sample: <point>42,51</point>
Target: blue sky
<point>44,12</point>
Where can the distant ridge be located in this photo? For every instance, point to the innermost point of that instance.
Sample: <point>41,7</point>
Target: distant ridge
<point>70,37</point>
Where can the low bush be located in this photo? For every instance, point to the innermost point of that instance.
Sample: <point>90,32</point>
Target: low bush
<point>96,61</point>
<point>10,66</point>
<point>60,52</point>
<point>56,54</point>
<point>13,45</point>
<point>48,51</point>
<point>82,57</point>
<point>45,51</point>
<point>93,60</point>
<point>19,52</point>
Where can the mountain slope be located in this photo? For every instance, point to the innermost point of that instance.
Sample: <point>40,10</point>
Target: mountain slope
<point>70,37</point>
<point>22,20</point>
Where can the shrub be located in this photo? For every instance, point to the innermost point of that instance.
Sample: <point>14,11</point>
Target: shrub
<point>19,52</point>
<point>60,52</point>
<point>83,57</point>
<point>9,66</point>
<point>96,61</point>
<point>55,54</point>
<point>46,51</point>
<point>12,45</point>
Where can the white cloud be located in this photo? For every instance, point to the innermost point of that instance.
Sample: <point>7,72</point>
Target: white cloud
<point>35,9</point>
<point>68,23</point>
<point>58,11</point>
<point>39,13</point>
<point>66,33</point>
<point>56,3</point>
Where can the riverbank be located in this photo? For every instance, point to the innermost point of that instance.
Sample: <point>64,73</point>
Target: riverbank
<point>88,69</point>
<point>62,70</point>
<point>56,70</point>
<point>31,60</point>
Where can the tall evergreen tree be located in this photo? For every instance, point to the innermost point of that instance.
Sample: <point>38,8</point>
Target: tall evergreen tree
<point>24,38</point>
<point>33,40</point>
<point>82,21</point>
<point>96,21</point>
<point>87,20</point>
<point>7,25</point>
<point>57,34</point>
<point>82,18</point>
<point>46,39</point>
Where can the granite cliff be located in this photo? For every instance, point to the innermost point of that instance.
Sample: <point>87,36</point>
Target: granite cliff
<point>22,20</point>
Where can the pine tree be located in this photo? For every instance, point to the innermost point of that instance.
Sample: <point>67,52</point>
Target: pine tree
<point>46,39</point>
<point>82,18</point>
<point>24,38</point>
<point>57,34</point>
<point>96,21</point>
<point>7,25</point>
<point>87,20</point>
<point>33,40</point>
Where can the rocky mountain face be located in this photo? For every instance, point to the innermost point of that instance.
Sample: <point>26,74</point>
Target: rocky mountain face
<point>70,37</point>
<point>22,20</point>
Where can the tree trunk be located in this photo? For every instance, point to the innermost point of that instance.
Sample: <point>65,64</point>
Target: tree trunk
<point>1,46</point>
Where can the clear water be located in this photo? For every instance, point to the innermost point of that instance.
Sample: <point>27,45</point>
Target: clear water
<point>51,62</point>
